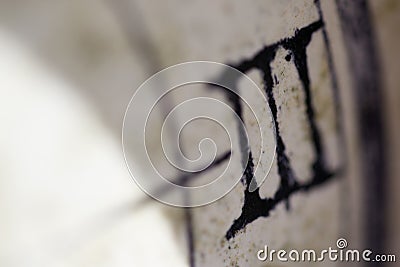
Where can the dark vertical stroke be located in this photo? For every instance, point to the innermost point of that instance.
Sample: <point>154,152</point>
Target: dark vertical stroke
<point>253,203</point>
<point>285,171</point>
<point>246,155</point>
<point>298,45</point>
<point>365,70</point>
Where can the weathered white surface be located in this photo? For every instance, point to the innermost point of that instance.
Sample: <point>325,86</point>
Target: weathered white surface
<point>62,170</point>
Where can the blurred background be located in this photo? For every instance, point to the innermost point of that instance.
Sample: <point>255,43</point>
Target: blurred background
<point>68,70</point>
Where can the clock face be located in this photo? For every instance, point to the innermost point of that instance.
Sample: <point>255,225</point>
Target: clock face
<point>195,133</point>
